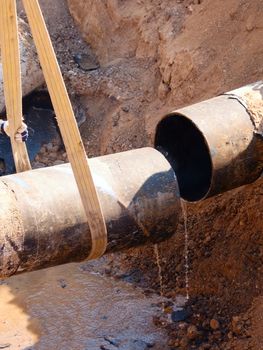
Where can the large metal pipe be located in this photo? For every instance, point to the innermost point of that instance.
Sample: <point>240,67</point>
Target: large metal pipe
<point>215,145</point>
<point>43,222</point>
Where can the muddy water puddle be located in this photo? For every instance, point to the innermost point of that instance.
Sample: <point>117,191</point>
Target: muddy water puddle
<point>67,308</point>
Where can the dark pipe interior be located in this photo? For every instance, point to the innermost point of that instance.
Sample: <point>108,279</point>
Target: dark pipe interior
<point>42,127</point>
<point>185,148</point>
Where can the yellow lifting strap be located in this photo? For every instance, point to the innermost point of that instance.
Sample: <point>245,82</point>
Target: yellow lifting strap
<point>12,79</point>
<point>63,110</point>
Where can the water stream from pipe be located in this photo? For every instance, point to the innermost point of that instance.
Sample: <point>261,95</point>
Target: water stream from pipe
<point>160,274</point>
<point>186,258</point>
<point>186,247</point>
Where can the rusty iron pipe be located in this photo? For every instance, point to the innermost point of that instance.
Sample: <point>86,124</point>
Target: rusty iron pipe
<point>215,145</point>
<point>43,222</point>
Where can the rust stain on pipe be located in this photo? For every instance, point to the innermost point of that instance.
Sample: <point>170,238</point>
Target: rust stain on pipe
<point>251,97</point>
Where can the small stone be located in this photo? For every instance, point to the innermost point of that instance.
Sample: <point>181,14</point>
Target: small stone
<point>180,315</point>
<point>237,325</point>
<point>230,335</point>
<point>192,332</point>
<point>45,160</point>
<point>55,148</point>
<point>38,165</point>
<point>214,324</point>
<point>49,146</point>
<point>56,142</point>
<point>113,341</point>
<point>53,156</point>
<point>86,62</point>
<point>182,325</point>
<point>43,150</point>
<point>62,283</point>
<point>125,109</point>
<point>58,162</point>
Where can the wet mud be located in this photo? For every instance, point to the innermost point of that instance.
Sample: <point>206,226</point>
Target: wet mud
<point>68,308</point>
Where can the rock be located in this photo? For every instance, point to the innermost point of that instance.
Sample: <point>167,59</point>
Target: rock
<point>182,325</point>
<point>214,324</point>
<point>237,325</point>
<point>192,332</point>
<point>86,62</point>
<point>45,160</point>
<point>49,146</point>
<point>125,109</point>
<point>174,343</point>
<point>55,148</point>
<point>62,283</point>
<point>113,341</point>
<point>42,150</point>
<point>38,165</point>
<point>53,156</point>
<point>180,315</point>
<point>58,162</point>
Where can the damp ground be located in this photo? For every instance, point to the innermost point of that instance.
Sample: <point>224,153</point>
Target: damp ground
<point>69,308</point>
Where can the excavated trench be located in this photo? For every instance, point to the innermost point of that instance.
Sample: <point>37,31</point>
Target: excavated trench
<point>225,233</point>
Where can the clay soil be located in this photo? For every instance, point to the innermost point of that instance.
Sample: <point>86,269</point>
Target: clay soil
<point>155,56</point>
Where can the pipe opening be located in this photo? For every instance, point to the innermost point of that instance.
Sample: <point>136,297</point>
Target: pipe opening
<point>42,127</point>
<point>185,147</point>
